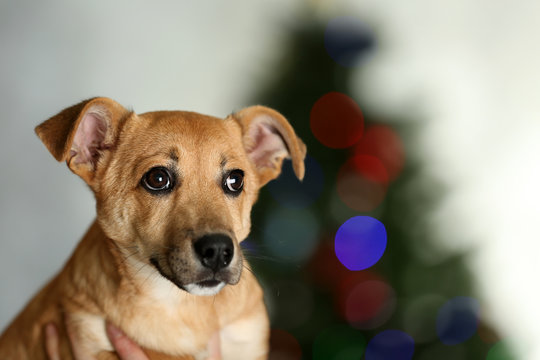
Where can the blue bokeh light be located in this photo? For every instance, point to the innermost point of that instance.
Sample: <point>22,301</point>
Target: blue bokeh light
<point>360,242</point>
<point>457,320</point>
<point>346,39</point>
<point>390,345</point>
<point>293,193</point>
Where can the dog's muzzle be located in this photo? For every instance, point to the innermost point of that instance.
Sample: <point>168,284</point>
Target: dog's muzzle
<point>210,270</point>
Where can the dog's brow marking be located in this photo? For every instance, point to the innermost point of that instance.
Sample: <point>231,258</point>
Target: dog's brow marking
<point>223,161</point>
<point>173,155</point>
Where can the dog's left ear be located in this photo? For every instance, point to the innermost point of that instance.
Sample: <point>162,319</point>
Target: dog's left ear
<point>268,139</point>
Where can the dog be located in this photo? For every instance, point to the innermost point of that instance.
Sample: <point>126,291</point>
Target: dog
<point>162,261</point>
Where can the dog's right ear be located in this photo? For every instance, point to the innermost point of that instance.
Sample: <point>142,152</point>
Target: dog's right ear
<point>268,139</point>
<point>82,133</point>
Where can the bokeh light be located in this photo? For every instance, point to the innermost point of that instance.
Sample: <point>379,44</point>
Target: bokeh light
<point>291,234</point>
<point>284,346</point>
<point>457,320</point>
<point>365,299</point>
<point>370,304</point>
<point>346,39</point>
<point>499,351</point>
<point>341,212</point>
<point>336,120</point>
<point>420,317</point>
<point>382,142</point>
<point>291,192</point>
<point>360,242</point>
<point>339,342</point>
<point>362,182</point>
<point>390,345</point>
<point>368,166</point>
<point>360,194</point>
<point>349,281</point>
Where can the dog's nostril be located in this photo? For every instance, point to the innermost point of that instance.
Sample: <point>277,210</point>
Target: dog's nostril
<point>215,251</point>
<point>209,254</point>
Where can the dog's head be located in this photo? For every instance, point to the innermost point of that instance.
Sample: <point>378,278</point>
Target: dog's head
<point>174,190</point>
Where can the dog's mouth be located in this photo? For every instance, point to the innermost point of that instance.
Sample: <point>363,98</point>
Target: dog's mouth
<point>207,287</point>
<point>209,283</point>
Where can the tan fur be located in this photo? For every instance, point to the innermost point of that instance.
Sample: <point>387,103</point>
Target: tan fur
<point>109,277</point>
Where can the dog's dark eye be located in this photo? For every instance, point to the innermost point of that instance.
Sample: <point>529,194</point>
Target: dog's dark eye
<point>234,182</point>
<point>157,180</point>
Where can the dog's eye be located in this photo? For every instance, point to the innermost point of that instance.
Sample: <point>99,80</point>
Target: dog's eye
<point>157,180</point>
<point>234,182</point>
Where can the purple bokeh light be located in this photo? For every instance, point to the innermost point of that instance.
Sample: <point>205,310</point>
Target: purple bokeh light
<point>360,242</point>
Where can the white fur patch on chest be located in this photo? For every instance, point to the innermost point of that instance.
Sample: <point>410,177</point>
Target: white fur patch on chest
<point>162,317</point>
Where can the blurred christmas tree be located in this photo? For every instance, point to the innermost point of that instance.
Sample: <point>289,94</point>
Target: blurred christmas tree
<point>413,303</point>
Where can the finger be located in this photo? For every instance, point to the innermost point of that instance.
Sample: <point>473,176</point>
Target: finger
<point>51,342</point>
<point>125,348</point>
<point>214,347</point>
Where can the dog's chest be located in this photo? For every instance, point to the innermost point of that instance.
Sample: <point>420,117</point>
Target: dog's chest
<point>170,320</point>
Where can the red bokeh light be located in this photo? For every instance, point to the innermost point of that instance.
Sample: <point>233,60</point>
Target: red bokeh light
<point>382,142</point>
<point>362,298</point>
<point>367,166</point>
<point>336,120</point>
<point>362,182</point>
<point>367,303</point>
<point>365,300</point>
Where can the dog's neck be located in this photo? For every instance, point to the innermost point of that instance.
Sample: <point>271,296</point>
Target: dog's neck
<point>95,245</point>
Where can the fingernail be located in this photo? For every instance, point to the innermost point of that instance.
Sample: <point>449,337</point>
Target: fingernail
<point>114,332</point>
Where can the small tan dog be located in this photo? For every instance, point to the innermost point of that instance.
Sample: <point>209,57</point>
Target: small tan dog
<point>162,261</point>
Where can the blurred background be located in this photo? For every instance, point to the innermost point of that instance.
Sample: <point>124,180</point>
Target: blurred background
<point>414,234</point>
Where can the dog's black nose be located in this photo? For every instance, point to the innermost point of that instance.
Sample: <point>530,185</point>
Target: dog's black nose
<point>215,251</point>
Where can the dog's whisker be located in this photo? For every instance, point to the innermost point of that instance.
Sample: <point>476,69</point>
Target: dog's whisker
<point>125,258</point>
<point>143,265</point>
<point>270,258</point>
<point>148,277</point>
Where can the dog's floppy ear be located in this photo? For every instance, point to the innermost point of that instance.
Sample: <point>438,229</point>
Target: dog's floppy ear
<point>81,133</point>
<point>268,139</point>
